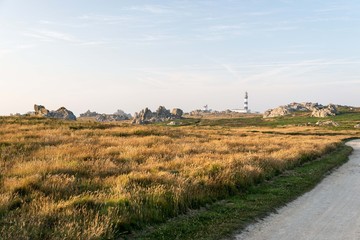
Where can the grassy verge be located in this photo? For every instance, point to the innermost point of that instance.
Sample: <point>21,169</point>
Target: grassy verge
<point>220,220</point>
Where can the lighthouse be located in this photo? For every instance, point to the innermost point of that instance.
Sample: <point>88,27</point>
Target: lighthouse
<point>246,102</point>
<point>246,105</point>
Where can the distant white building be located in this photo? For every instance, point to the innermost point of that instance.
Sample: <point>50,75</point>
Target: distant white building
<point>246,105</point>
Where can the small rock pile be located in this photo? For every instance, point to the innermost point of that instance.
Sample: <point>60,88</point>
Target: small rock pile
<point>61,113</point>
<point>317,110</point>
<point>162,114</point>
<point>327,123</point>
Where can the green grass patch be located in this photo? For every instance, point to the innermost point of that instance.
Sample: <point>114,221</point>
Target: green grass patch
<point>347,119</point>
<point>222,219</point>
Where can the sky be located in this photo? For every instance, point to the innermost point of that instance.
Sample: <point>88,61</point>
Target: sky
<point>131,54</point>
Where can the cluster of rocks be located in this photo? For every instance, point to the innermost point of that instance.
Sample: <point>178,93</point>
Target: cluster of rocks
<point>119,115</point>
<point>213,113</point>
<point>89,113</point>
<point>61,113</point>
<point>317,110</point>
<point>200,112</point>
<point>111,118</point>
<point>162,114</point>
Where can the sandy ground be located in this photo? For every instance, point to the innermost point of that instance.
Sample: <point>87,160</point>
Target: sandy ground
<point>330,211</point>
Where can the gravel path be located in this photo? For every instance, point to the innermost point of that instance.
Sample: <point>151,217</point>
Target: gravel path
<point>330,211</point>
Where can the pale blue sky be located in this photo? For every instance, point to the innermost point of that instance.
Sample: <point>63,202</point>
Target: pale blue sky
<point>122,54</point>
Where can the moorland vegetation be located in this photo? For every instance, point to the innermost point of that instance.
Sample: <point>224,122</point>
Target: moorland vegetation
<point>89,180</point>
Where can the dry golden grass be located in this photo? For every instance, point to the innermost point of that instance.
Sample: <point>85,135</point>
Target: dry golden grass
<point>91,181</point>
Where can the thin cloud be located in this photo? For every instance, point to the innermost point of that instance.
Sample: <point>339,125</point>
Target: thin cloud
<point>284,71</point>
<point>279,29</point>
<point>56,36</point>
<point>340,82</point>
<point>70,24</point>
<point>16,48</point>
<point>334,8</point>
<point>106,19</point>
<point>152,9</point>
<point>261,14</point>
<point>50,36</point>
<point>226,27</point>
<point>93,43</point>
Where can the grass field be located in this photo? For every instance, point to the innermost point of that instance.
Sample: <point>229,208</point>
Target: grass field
<point>86,180</point>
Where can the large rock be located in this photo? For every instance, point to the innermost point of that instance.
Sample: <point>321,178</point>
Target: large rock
<point>61,113</point>
<point>162,114</point>
<point>177,112</point>
<point>40,110</point>
<point>120,114</point>
<point>330,110</point>
<point>278,112</point>
<point>143,117</point>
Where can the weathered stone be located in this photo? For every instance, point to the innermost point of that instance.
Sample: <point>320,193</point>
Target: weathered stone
<point>162,112</point>
<point>88,113</point>
<point>146,116</point>
<point>330,110</point>
<point>110,118</point>
<point>40,110</point>
<point>327,123</point>
<point>177,112</point>
<point>62,113</point>
<point>278,112</point>
<point>173,123</point>
<point>119,115</point>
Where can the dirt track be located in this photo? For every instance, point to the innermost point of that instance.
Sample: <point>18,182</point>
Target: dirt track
<point>330,211</point>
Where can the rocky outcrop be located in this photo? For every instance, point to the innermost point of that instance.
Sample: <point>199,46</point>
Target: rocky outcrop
<point>317,110</point>
<point>119,115</point>
<point>111,118</point>
<point>327,123</point>
<point>122,115</point>
<point>177,112</point>
<point>330,110</point>
<point>357,126</point>
<point>162,114</point>
<point>61,113</point>
<point>277,112</point>
<point>40,110</point>
<point>88,113</point>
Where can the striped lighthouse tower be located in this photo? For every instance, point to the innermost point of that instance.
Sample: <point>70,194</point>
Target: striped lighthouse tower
<point>246,103</point>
